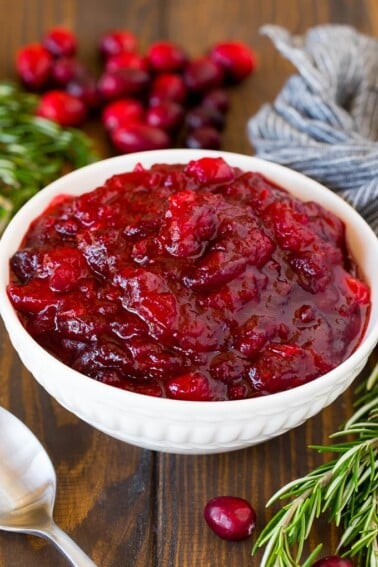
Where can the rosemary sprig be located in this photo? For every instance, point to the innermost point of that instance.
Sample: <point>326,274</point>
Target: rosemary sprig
<point>33,151</point>
<point>346,489</point>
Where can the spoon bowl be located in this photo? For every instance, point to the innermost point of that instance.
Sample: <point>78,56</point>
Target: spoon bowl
<point>28,487</point>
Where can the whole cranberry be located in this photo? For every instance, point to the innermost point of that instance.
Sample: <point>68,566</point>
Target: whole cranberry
<point>126,60</point>
<point>138,137</point>
<point>217,98</point>
<point>236,59</point>
<point>122,112</point>
<point>168,86</point>
<point>166,114</point>
<point>206,138</point>
<point>201,116</point>
<point>33,64</point>
<point>332,561</point>
<point>84,87</point>
<point>116,42</point>
<point>65,69</point>
<point>62,107</point>
<point>230,517</point>
<point>121,83</point>
<point>60,42</point>
<point>202,75</point>
<point>166,57</point>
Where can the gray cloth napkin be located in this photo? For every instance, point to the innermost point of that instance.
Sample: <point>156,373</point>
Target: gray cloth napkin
<point>324,122</point>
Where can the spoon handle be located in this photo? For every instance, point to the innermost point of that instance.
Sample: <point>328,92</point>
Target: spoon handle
<point>67,546</point>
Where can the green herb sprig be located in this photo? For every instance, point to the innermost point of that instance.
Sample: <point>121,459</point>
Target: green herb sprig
<point>346,489</point>
<point>33,151</point>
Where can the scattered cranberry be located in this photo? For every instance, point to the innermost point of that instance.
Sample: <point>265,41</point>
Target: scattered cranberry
<point>204,138</point>
<point>202,75</point>
<point>60,42</point>
<point>137,137</point>
<point>126,60</point>
<point>124,82</point>
<point>182,97</point>
<point>116,42</point>
<point>168,86</point>
<point>33,64</point>
<point>333,561</point>
<point>217,98</point>
<point>201,116</point>
<point>236,59</point>
<point>65,69</point>
<point>62,107</point>
<point>166,114</point>
<point>122,112</point>
<point>166,57</point>
<point>230,517</point>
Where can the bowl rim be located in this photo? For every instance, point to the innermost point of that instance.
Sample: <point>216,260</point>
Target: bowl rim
<point>149,404</point>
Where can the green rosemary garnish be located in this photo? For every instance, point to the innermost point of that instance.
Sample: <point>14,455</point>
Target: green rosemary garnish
<point>344,488</point>
<point>33,151</point>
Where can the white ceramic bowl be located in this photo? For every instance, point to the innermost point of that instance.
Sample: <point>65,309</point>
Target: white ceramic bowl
<point>180,426</point>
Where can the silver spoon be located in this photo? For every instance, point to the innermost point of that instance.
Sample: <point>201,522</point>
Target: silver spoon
<point>27,489</point>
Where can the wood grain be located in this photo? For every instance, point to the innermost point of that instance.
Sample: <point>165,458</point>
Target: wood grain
<point>126,506</point>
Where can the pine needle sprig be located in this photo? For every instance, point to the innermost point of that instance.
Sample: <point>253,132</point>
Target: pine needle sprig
<point>33,151</point>
<point>345,489</point>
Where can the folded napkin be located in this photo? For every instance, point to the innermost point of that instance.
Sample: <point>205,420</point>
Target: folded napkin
<point>324,122</point>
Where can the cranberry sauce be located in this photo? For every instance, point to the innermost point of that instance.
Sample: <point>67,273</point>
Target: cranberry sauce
<point>193,282</point>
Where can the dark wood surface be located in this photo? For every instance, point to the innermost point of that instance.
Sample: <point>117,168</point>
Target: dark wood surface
<point>127,506</point>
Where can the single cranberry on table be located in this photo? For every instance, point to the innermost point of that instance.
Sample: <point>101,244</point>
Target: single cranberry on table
<point>230,517</point>
<point>138,137</point>
<point>60,42</point>
<point>202,75</point>
<point>126,60</point>
<point>217,98</point>
<point>333,561</point>
<point>65,69</point>
<point>84,87</point>
<point>166,57</point>
<point>168,86</point>
<point>166,114</point>
<point>117,41</point>
<point>123,82</point>
<point>33,64</point>
<point>236,59</point>
<point>201,116</point>
<point>122,112</point>
<point>205,138</point>
<point>61,107</point>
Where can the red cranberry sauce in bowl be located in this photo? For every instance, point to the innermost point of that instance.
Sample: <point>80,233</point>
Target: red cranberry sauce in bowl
<point>194,281</point>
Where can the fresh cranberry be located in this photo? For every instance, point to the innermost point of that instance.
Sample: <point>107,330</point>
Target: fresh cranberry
<point>166,57</point>
<point>62,107</point>
<point>126,60</point>
<point>332,561</point>
<point>123,83</point>
<point>206,138</point>
<point>202,116</point>
<point>116,42</point>
<point>84,87</point>
<point>33,64</point>
<point>66,69</point>
<point>202,75</point>
<point>139,137</point>
<point>60,42</point>
<point>235,57</point>
<point>167,115</point>
<point>218,99</point>
<point>168,86</point>
<point>122,112</point>
<point>230,517</point>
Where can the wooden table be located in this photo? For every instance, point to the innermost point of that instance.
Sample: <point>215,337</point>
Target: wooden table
<point>126,506</point>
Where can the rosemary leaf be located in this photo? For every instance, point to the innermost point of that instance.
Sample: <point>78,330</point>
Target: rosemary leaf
<point>346,489</point>
<point>34,151</point>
